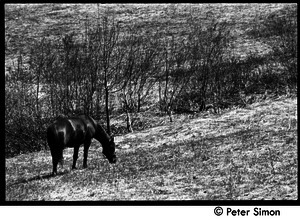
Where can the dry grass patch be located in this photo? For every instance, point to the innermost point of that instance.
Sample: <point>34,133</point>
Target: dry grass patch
<point>241,154</point>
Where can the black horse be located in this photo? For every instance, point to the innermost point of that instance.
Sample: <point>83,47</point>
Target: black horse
<point>74,131</point>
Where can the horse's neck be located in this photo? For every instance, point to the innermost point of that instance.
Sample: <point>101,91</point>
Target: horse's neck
<point>101,135</point>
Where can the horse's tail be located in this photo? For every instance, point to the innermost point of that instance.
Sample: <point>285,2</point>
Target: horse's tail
<point>61,140</point>
<point>56,144</point>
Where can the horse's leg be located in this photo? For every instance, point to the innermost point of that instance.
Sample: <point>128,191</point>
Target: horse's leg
<point>55,162</point>
<point>75,156</point>
<point>54,155</point>
<point>85,154</point>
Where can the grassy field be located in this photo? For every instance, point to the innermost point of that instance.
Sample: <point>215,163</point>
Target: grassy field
<point>241,154</point>
<point>25,23</point>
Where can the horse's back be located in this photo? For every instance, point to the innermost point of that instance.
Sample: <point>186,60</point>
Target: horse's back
<point>70,131</point>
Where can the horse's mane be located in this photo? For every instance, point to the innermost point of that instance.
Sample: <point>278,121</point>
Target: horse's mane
<point>103,138</point>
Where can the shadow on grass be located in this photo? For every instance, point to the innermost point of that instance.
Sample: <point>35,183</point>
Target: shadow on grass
<point>38,177</point>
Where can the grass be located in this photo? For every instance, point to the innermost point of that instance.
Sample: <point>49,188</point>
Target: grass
<point>241,154</point>
<point>35,21</point>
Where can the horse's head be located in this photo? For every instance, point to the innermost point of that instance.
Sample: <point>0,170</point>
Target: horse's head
<point>109,151</point>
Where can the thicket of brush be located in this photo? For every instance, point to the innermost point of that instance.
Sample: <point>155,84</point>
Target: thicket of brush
<point>108,68</point>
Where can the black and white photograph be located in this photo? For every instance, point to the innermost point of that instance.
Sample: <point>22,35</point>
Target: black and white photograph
<point>151,102</point>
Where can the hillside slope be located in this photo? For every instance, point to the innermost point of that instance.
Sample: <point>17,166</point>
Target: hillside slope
<point>242,154</point>
<point>27,23</point>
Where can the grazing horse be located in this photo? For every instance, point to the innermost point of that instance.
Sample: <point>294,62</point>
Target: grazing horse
<point>74,131</point>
